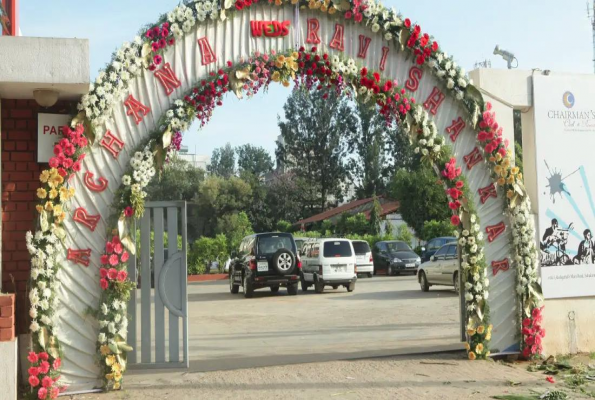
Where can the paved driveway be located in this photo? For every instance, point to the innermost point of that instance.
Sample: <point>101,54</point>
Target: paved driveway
<point>383,316</point>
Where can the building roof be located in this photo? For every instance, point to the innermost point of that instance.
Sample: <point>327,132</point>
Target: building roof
<point>387,208</point>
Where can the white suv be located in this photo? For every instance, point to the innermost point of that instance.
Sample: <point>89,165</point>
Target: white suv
<point>363,257</point>
<point>328,262</point>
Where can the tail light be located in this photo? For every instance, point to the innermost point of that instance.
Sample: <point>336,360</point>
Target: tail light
<point>253,265</point>
<point>371,259</point>
<point>299,263</point>
<point>355,268</point>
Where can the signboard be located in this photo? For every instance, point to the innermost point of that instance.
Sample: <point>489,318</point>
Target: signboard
<point>49,131</point>
<point>565,139</point>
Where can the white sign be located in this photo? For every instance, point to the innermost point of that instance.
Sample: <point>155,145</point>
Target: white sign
<point>565,139</point>
<point>49,131</point>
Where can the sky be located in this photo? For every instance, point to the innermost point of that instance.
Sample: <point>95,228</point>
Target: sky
<point>545,34</point>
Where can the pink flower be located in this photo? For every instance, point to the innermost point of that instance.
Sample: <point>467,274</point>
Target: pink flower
<point>157,59</point>
<point>459,184</point>
<point>42,393</point>
<point>115,240</point>
<point>43,356</point>
<point>125,256</point>
<point>527,322</point>
<point>33,380</point>
<point>358,17</point>
<point>46,382</point>
<point>122,276</point>
<point>103,272</point>
<point>113,273</point>
<point>104,260</point>
<point>155,46</point>
<point>348,15</point>
<point>33,371</point>
<point>32,357</point>
<point>76,167</point>
<point>44,367</point>
<point>109,247</point>
<point>118,248</point>
<point>128,212</point>
<point>54,393</point>
<point>450,170</point>
<point>103,283</point>
<point>113,260</point>
<point>54,162</point>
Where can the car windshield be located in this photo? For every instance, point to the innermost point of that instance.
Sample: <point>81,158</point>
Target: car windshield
<point>339,248</point>
<point>270,244</point>
<point>361,248</point>
<point>398,246</point>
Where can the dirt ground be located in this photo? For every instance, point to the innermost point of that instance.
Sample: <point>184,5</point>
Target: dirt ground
<point>442,376</point>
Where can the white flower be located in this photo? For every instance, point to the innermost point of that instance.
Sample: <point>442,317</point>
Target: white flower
<point>486,283</point>
<point>471,307</point>
<point>478,287</point>
<point>103,324</point>
<point>126,180</point>
<point>471,240</point>
<point>486,294</point>
<point>468,296</point>
<point>437,148</point>
<point>375,28</point>
<point>47,293</point>
<point>462,241</point>
<point>111,327</point>
<point>480,236</point>
<point>473,260</point>
<point>33,312</point>
<point>34,297</point>
<point>424,152</point>
<point>456,233</point>
<point>118,318</point>
<point>473,218</point>
<point>41,285</point>
<point>388,36</point>
<point>478,297</point>
<point>102,338</point>
<point>104,309</point>
<point>468,285</point>
<point>450,84</point>
<point>44,304</point>
<point>465,265</point>
<point>416,150</point>
<point>46,320</point>
<point>465,232</point>
<point>34,327</point>
<point>476,277</point>
<point>473,249</point>
<point>116,305</point>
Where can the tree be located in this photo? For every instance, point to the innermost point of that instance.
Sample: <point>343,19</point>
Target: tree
<point>433,229</point>
<point>287,197</point>
<point>255,160</point>
<point>420,197</point>
<point>314,147</point>
<point>179,181</point>
<point>235,227</point>
<point>258,210</point>
<point>404,234</point>
<point>217,197</point>
<point>375,219</point>
<point>223,162</point>
<point>206,250</point>
<point>283,226</point>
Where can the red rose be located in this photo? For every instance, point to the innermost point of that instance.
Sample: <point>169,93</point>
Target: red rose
<point>32,357</point>
<point>239,4</point>
<point>33,381</point>
<point>420,60</point>
<point>76,167</point>
<point>124,257</point>
<point>109,247</point>
<point>128,212</point>
<point>358,17</point>
<point>33,371</point>
<point>407,23</point>
<point>526,352</point>
<point>460,184</point>
<point>112,273</point>
<point>348,15</point>
<point>103,283</point>
<point>103,271</point>
<point>434,46</point>
<point>455,220</point>
<point>526,322</point>
<point>122,276</point>
<point>62,172</point>
<point>152,67</point>
<point>376,76</point>
<point>104,259</point>
<point>157,59</point>
<point>115,240</point>
<point>44,356</point>
<point>44,367</point>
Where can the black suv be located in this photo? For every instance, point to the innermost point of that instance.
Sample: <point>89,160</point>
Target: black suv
<point>265,260</point>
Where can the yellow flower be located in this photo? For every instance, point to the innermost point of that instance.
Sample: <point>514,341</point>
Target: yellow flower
<point>105,350</point>
<point>276,77</point>
<point>39,208</point>
<point>117,376</point>
<point>332,10</point>
<point>488,353</point>
<point>317,4</point>
<point>312,4</point>
<point>109,377</point>
<point>44,176</point>
<point>71,192</point>
<point>60,218</point>
<point>117,386</point>
<point>55,180</point>
<point>520,176</point>
<point>294,1</point>
<point>472,356</point>
<point>281,58</point>
<point>323,8</point>
<point>481,329</point>
<point>510,180</point>
<point>53,193</point>
<point>64,195</point>
<point>492,159</point>
<point>489,336</point>
<point>470,332</point>
<point>49,206</point>
<point>501,181</point>
<point>285,83</point>
<point>510,194</point>
<point>498,169</point>
<point>479,348</point>
<point>506,162</point>
<point>57,209</point>
<point>490,327</point>
<point>295,55</point>
<point>278,64</point>
<point>515,170</point>
<point>498,157</point>
<point>467,347</point>
<point>116,368</point>
<point>42,193</point>
<point>110,360</point>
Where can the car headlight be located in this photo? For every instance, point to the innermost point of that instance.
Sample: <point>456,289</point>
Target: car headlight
<point>396,260</point>
<point>418,260</point>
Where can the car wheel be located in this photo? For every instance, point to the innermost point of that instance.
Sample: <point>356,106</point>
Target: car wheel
<point>351,287</point>
<point>234,288</point>
<point>318,287</point>
<point>305,286</point>
<point>423,282</point>
<point>274,289</point>
<point>248,288</point>
<point>369,274</point>
<point>292,289</point>
<point>455,281</point>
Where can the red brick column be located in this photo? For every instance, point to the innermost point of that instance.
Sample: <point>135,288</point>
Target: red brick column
<point>20,180</point>
<point>6,317</point>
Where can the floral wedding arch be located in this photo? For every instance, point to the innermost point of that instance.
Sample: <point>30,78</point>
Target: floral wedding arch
<point>179,70</point>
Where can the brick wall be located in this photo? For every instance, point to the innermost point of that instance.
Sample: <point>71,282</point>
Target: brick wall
<point>20,180</point>
<point>6,317</point>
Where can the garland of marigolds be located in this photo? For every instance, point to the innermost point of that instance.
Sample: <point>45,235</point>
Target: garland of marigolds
<point>305,67</point>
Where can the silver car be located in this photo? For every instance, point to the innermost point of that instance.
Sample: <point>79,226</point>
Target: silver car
<point>442,269</point>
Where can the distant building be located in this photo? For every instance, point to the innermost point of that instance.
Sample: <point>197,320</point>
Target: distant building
<point>196,160</point>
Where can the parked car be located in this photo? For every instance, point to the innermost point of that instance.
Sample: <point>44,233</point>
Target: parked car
<point>328,262</point>
<point>433,245</point>
<point>265,260</point>
<point>363,257</point>
<point>395,257</point>
<point>442,269</point>
<point>299,242</point>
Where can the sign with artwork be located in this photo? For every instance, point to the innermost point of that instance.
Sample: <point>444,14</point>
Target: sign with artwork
<point>49,132</point>
<point>565,138</point>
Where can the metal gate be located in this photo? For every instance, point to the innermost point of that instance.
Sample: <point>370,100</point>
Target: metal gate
<point>158,308</point>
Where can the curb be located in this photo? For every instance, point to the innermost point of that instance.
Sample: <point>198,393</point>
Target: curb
<point>206,278</point>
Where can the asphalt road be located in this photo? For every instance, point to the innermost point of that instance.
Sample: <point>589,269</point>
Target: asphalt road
<point>384,316</point>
